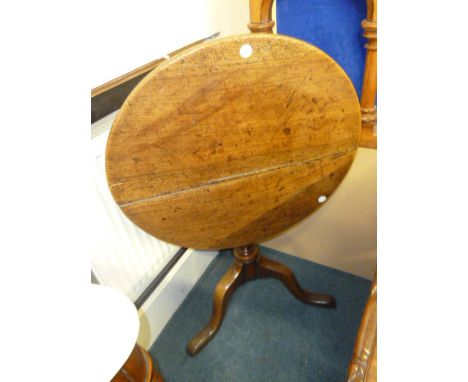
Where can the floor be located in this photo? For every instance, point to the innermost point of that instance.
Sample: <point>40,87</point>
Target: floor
<point>267,335</point>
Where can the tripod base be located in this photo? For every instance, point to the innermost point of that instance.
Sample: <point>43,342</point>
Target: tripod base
<point>248,265</point>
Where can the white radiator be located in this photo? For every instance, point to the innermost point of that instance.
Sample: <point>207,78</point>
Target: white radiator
<point>123,256</point>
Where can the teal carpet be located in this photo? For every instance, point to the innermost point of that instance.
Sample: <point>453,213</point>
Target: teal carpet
<point>267,335</point>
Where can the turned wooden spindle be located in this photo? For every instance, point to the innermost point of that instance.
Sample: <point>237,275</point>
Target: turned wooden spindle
<point>369,83</point>
<point>363,366</point>
<point>261,20</point>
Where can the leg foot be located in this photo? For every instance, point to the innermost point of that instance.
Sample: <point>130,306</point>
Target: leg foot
<point>269,268</point>
<point>227,285</point>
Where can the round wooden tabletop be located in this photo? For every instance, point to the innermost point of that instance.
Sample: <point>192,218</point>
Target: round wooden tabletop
<point>233,141</point>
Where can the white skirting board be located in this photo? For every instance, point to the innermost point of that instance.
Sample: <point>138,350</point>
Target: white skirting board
<point>169,295</point>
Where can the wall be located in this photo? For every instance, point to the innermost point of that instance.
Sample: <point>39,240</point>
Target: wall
<point>342,234</point>
<point>127,35</point>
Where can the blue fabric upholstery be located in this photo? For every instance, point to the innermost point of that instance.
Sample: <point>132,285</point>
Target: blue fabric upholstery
<point>332,25</point>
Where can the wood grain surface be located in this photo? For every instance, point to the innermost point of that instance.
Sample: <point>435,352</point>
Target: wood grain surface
<point>213,150</point>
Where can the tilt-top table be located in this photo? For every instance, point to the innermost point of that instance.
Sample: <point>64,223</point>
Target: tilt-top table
<point>228,144</point>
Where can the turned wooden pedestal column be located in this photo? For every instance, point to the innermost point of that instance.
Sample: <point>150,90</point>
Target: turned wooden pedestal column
<point>249,264</point>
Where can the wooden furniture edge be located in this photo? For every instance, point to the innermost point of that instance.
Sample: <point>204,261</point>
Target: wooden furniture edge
<point>368,138</point>
<point>369,82</point>
<point>363,366</point>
